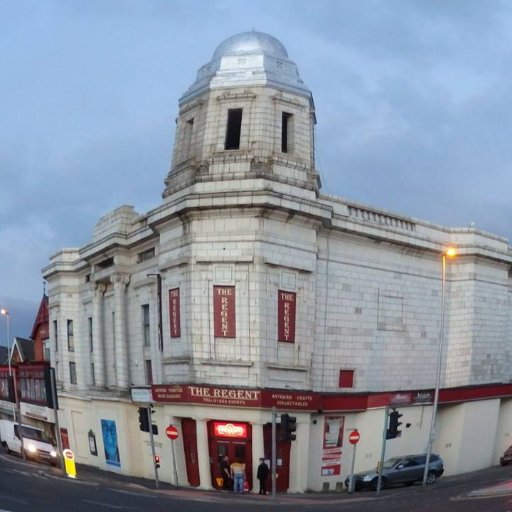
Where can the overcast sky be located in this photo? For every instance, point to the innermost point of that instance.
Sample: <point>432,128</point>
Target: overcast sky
<point>413,101</point>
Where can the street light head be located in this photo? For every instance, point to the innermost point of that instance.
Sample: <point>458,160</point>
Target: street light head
<point>451,252</point>
<point>4,312</point>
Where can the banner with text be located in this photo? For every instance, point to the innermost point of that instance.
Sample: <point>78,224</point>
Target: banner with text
<point>224,312</point>
<point>174,312</point>
<point>286,316</point>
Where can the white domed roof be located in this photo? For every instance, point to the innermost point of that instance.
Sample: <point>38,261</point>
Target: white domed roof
<point>248,59</point>
<point>251,42</point>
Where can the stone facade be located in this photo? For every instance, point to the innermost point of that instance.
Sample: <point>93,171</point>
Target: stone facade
<point>367,281</point>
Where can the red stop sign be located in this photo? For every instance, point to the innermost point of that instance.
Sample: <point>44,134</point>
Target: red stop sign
<point>354,437</point>
<point>172,432</point>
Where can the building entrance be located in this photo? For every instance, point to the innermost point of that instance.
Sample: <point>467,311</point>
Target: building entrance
<point>235,441</point>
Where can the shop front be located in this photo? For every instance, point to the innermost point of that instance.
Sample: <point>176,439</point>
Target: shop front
<point>233,439</point>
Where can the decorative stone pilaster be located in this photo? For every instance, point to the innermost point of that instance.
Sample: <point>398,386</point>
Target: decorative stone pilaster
<point>120,282</point>
<point>205,478</point>
<point>97,335</point>
<point>258,450</point>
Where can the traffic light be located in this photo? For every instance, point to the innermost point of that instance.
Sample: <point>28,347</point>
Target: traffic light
<point>143,419</point>
<point>157,461</point>
<point>288,427</point>
<point>393,431</point>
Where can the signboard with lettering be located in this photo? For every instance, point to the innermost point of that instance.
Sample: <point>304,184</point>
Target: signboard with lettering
<point>174,312</point>
<point>237,397</point>
<point>234,430</point>
<point>224,320</point>
<point>286,307</point>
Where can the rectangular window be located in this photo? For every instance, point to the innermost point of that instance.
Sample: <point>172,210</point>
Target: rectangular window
<point>71,338</point>
<point>234,128</point>
<point>146,325</point>
<point>56,334</point>
<point>93,375</point>
<point>46,350</point>
<point>187,138</point>
<point>89,324</point>
<point>346,379</point>
<point>286,132</point>
<point>72,372</point>
<point>146,255</point>
<point>149,372</point>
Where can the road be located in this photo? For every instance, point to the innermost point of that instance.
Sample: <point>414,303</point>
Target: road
<point>32,487</point>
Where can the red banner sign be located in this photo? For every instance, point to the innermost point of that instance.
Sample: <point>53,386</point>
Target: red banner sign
<point>224,311</point>
<point>286,306</point>
<point>174,312</point>
<point>237,397</point>
<point>238,430</point>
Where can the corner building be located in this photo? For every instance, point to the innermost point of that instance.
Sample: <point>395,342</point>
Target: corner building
<point>247,288</point>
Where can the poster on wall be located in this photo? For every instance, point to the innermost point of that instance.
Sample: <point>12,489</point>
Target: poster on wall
<point>224,312</point>
<point>174,312</point>
<point>332,445</point>
<point>108,429</point>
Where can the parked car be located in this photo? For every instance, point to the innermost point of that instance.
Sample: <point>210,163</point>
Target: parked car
<point>36,443</point>
<point>405,470</point>
<point>506,458</point>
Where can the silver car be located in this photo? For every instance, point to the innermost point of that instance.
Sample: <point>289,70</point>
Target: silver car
<point>405,470</point>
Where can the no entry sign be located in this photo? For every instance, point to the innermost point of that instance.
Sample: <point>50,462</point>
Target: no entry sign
<point>354,437</point>
<point>172,432</point>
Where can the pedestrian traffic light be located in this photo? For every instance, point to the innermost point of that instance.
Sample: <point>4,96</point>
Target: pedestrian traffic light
<point>143,419</point>
<point>393,425</point>
<point>157,461</point>
<point>288,427</point>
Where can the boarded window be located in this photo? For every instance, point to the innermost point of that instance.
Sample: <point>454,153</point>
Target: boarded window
<point>234,128</point>
<point>346,379</point>
<point>286,132</point>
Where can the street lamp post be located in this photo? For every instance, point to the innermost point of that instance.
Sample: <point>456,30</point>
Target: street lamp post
<point>5,312</point>
<point>448,253</point>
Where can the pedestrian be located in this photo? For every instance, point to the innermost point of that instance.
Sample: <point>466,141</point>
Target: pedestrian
<point>238,475</point>
<point>226,475</point>
<point>262,475</point>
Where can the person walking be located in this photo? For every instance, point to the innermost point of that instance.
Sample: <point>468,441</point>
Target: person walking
<point>225,472</point>
<point>262,475</point>
<point>238,475</point>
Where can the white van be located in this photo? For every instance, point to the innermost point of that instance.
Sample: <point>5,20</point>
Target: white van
<point>36,443</point>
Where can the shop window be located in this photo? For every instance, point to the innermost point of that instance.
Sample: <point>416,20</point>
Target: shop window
<point>346,378</point>
<point>234,128</point>
<point>287,132</point>
<point>71,337</point>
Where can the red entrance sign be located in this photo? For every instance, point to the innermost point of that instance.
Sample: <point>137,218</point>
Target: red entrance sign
<point>238,430</point>
<point>354,437</point>
<point>172,432</point>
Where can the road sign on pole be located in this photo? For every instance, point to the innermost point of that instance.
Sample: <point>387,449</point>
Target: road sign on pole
<point>354,437</point>
<point>172,432</point>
